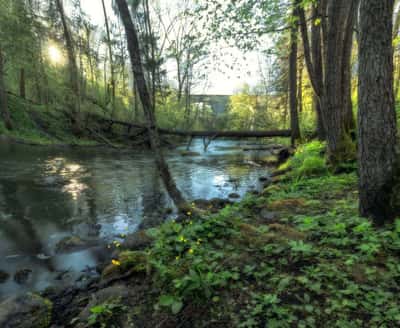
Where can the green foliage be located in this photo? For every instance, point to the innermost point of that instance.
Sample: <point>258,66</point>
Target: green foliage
<point>321,263</point>
<point>106,315</point>
<point>308,160</point>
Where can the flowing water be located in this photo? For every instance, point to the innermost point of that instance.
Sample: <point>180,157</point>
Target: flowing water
<point>47,194</point>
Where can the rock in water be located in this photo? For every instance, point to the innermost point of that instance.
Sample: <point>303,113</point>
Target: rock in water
<point>189,153</point>
<point>25,311</point>
<point>22,276</point>
<point>234,195</point>
<point>3,277</point>
<point>73,244</point>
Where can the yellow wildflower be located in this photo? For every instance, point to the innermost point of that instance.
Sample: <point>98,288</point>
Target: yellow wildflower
<point>189,213</point>
<point>116,262</point>
<point>190,251</point>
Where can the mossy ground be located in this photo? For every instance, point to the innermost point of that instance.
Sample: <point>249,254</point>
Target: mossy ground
<point>316,264</point>
<point>41,125</point>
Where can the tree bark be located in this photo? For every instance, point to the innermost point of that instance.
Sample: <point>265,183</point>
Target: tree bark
<point>376,117</point>
<point>300,87</point>
<point>110,54</point>
<point>22,91</point>
<point>3,96</point>
<point>339,143</point>
<point>313,60</point>
<point>145,97</point>
<point>294,118</point>
<point>349,121</point>
<point>325,69</point>
<point>73,69</point>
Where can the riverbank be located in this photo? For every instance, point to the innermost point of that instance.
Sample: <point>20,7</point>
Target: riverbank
<point>297,254</point>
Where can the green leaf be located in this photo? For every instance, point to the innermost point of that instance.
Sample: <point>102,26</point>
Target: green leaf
<point>166,300</point>
<point>176,307</point>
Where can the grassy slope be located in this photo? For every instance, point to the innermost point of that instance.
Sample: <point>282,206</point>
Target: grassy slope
<point>47,126</point>
<point>316,264</point>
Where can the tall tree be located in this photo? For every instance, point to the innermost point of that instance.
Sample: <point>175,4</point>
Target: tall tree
<point>75,101</point>
<point>376,116</point>
<point>145,97</point>
<point>111,58</point>
<point>3,95</point>
<point>335,17</point>
<point>294,117</point>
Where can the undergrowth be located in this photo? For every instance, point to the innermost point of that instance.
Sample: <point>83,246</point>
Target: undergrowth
<point>40,125</point>
<point>318,264</point>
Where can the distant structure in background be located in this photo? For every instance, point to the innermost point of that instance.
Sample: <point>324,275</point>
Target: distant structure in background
<point>218,103</point>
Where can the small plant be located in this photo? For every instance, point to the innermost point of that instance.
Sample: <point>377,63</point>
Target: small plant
<point>106,315</point>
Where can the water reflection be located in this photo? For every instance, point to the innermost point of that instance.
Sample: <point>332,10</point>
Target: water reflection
<point>48,194</point>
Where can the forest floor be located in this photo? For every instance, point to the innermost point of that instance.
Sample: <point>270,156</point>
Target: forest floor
<point>39,125</point>
<point>297,255</point>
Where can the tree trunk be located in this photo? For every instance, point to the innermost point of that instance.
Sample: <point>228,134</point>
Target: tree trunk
<point>73,70</point>
<point>3,95</point>
<point>339,143</point>
<point>110,54</point>
<point>349,121</point>
<point>300,87</point>
<point>294,118</point>
<point>313,60</point>
<point>22,91</point>
<point>137,69</point>
<point>376,116</point>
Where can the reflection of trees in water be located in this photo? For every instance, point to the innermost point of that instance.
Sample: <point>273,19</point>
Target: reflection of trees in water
<point>154,198</point>
<point>20,225</point>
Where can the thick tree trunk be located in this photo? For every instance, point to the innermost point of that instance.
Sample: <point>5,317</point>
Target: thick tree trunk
<point>294,118</point>
<point>339,143</point>
<point>73,69</point>
<point>376,116</point>
<point>110,54</point>
<point>3,96</point>
<point>134,52</point>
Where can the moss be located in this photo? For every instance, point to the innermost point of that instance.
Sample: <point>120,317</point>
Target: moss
<point>345,152</point>
<point>132,261</point>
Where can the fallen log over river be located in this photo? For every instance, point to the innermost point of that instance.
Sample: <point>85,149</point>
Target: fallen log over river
<point>204,134</point>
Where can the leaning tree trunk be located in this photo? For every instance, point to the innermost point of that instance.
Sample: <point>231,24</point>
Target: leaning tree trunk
<point>73,69</point>
<point>137,69</point>
<point>294,117</point>
<point>376,116</point>
<point>3,96</point>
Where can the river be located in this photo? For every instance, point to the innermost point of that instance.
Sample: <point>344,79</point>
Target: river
<point>49,193</point>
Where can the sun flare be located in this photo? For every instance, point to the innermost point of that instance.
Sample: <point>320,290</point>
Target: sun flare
<point>55,54</point>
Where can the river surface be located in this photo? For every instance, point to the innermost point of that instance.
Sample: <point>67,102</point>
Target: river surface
<point>47,194</point>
